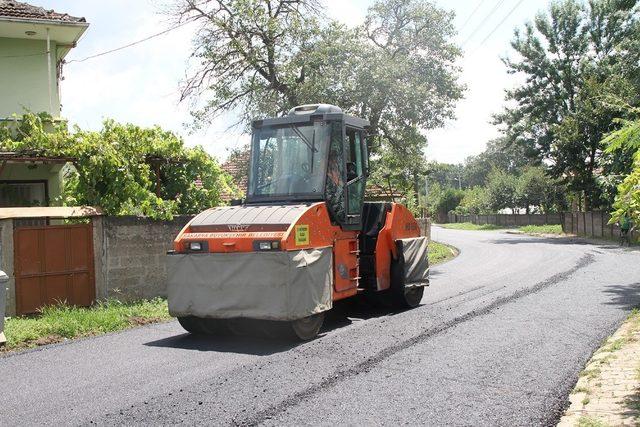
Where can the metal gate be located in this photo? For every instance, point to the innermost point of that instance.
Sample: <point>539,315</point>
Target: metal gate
<point>53,264</point>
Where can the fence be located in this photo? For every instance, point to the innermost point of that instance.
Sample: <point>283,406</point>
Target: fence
<point>593,224</point>
<point>507,220</point>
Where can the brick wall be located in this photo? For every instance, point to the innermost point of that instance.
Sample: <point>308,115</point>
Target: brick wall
<point>131,255</point>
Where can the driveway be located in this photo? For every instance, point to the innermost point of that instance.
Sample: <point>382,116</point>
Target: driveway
<point>499,339</point>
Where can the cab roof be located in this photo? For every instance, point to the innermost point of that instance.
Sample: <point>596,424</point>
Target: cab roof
<point>310,112</point>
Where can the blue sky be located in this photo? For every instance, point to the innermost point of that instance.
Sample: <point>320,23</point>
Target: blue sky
<point>140,84</point>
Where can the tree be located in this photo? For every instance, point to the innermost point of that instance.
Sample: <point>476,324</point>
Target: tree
<point>475,202</point>
<point>443,200</point>
<point>447,175</point>
<point>534,188</point>
<point>262,57</point>
<point>499,154</point>
<point>124,169</point>
<point>502,191</point>
<point>574,57</point>
<point>627,201</point>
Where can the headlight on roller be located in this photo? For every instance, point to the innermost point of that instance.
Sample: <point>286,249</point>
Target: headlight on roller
<point>195,246</point>
<point>265,246</point>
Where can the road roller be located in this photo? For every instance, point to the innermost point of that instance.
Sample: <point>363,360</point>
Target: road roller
<point>303,237</point>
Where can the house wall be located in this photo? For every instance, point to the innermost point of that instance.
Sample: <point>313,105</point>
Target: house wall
<point>24,78</point>
<point>51,173</point>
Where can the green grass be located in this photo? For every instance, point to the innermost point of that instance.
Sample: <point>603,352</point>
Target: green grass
<point>542,229</point>
<point>470,226</point>
<point>590,422</point>
<point>57,323</point>
<point>439,253</point>
<point>529,229</point>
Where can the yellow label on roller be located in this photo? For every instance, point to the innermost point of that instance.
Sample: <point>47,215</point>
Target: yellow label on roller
<point>302,235</point>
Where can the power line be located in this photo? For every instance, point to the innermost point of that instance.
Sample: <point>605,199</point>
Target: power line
<point>486,18</point>
<point>499,24</point>
<point>471,15</point>
<point>132,43</point>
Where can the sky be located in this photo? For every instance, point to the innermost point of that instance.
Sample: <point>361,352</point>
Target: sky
<point>141,84</point>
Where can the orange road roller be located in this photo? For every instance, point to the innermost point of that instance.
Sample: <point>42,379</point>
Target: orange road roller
<point>302,239</point>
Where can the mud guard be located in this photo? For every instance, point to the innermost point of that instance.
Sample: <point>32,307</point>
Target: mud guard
<point>413,261</point>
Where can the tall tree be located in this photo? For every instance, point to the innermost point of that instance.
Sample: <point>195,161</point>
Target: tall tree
<point>262,57</point>
<point>244,55</point>
<point>502,191</point>
<point>500,155</point>
<point>574,57</point>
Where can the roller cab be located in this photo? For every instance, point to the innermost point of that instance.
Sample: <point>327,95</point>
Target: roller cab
<point>302,239</point>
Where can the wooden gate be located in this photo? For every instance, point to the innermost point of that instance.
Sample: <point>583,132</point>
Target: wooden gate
<point>53,264</point>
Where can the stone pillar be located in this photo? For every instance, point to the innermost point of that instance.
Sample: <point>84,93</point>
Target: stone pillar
<point>99,258</point>
<point>6,264</point>
<point>3,291</point>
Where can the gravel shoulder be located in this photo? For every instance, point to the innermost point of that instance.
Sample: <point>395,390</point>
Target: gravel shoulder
<point>500,338</point>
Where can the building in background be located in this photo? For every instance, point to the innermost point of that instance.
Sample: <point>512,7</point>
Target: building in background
<point>33,44</point>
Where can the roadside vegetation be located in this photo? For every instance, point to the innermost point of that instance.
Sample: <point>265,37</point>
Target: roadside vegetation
<point>439,253</point>
<point>123,168</point>
<point>527,229</point>
<point>542,229</point>
<point>59,323</point>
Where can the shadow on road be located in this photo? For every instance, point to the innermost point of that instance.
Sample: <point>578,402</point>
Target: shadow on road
<point>257,346</point>
<point>265,338</point>
<point>600,244</point>
<point>625,296</point>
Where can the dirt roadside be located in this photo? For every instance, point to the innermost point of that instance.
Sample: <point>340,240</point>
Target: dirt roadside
<point>608,390</point>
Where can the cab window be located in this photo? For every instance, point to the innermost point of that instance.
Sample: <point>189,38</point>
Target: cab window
<point>355,171</point>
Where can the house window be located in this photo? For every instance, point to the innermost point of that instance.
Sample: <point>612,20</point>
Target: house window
<point>23,193</point>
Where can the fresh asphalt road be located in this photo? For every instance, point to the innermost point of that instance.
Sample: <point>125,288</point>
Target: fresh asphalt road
<point>499,339</point>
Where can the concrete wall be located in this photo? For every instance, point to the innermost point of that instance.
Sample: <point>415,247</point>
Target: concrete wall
<point>593,224</point>
<point>24,77</point>
<point>425,227</point>
<point>505,220</point>
<point>131,256</point>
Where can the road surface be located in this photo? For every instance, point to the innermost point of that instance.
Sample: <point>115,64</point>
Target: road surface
<point>499,339</point>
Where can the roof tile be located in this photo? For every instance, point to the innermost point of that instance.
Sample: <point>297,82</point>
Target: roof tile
<point>19,10</point>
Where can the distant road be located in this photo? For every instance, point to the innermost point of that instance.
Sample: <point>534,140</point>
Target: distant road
<point>500,338</point>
